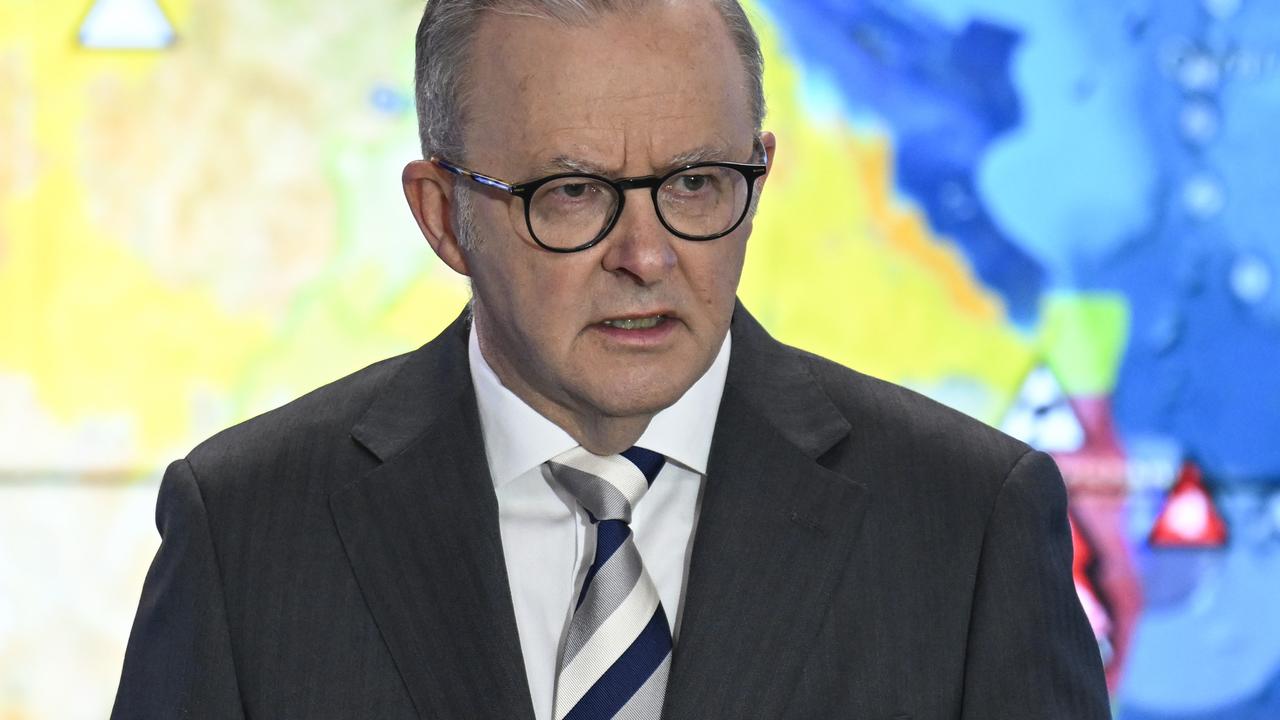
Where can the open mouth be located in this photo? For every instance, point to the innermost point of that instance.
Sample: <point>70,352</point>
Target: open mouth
<point>644,323</point>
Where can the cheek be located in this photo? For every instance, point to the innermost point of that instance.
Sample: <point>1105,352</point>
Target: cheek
<point>540,299</point>
<point>500,268</point>
<point>713,274</point>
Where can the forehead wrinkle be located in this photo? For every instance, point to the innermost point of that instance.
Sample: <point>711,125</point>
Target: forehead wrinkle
<point>611,102</point>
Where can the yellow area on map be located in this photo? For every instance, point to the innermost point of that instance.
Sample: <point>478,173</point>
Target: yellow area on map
<point>171,223</point>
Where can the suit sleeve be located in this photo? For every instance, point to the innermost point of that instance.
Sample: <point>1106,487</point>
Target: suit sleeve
<point>178,663</point>
<point>1031,653</point>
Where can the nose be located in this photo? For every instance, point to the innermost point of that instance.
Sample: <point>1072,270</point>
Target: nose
<point>639,245</point>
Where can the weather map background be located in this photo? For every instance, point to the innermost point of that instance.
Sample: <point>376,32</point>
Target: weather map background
<point>1057,217</point>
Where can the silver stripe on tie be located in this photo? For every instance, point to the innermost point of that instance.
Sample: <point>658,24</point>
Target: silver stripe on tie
<point>597,495</point>
<point>613,471</point>
<point>610,587</point>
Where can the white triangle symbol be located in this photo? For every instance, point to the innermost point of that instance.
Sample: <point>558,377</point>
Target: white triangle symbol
<point>126,25</point>
<point>1041,416</point>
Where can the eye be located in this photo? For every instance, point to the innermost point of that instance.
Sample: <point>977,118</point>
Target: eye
<point>569,195</point>
<point>692,183</point>
<point>573,190</point>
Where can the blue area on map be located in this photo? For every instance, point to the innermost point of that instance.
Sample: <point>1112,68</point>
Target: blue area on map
<point>946,95</point>
<point>1127,148</point>
<point>1263,706</point>
<point>1068,124</point>
<point>1208,636</point>
<point>1203,362</point>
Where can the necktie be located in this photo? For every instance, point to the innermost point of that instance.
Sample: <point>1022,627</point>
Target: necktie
<point>618,650</point>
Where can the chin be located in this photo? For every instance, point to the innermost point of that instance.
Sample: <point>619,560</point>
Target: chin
<point>623,401</point>
<point>638,386</point>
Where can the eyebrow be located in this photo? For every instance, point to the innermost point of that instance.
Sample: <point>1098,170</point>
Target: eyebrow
<point>566,163</point>
<point>707,153</point>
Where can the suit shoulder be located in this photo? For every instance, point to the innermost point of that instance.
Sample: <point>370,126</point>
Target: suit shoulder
<point>896,414</point>
<point>321,418</point>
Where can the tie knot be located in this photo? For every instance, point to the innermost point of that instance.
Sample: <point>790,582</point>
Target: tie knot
<point>608,486</point>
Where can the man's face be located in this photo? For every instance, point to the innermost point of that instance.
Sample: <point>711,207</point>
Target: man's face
<point>628,95</point>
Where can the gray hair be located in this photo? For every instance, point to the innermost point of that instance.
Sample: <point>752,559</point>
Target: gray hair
<point>444,42</point>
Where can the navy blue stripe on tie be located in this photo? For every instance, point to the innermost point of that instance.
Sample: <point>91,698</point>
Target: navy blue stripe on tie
<point>610,535</point>
<point>648,461</point>
<point>628,673</point>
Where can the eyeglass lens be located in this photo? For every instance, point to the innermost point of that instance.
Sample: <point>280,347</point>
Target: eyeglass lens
<point>700,202</point>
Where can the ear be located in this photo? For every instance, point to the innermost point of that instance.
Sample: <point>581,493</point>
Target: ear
<point>429,190</point>
<point>770,143</point>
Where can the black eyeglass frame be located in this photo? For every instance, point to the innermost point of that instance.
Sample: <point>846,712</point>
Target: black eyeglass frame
<point>526,190</point>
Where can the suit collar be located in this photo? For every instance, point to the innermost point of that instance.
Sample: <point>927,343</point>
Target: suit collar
<point>430,384</point>
<point>777,381</point>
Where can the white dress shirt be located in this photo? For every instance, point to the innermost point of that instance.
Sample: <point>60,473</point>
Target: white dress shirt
<point>547,538</point>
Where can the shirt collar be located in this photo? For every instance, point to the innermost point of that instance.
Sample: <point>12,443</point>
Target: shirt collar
<point>518,439</point>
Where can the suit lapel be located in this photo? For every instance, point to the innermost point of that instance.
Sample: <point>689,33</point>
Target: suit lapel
<point>773,537</point>
<point>421,533</point>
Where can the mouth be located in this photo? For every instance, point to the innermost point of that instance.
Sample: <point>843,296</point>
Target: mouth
<point>636,323</point>
<point>653,329</point>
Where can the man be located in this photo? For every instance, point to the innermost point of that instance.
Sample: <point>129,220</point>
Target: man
<point>609,492</point>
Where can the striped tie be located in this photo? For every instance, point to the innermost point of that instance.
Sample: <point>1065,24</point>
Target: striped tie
<point>618,650</point>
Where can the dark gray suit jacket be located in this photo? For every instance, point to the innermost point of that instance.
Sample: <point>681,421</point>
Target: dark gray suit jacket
<point>862,552</point>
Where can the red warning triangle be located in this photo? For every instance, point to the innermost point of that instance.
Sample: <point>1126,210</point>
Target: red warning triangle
<point>1189,518</point>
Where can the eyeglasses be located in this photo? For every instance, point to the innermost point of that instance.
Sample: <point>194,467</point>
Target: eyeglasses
<point>568,212</point>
